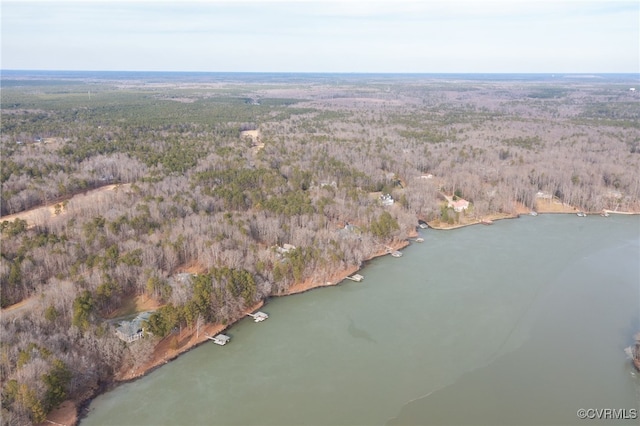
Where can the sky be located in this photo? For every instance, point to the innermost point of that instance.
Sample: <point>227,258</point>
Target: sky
<point>353,36</point>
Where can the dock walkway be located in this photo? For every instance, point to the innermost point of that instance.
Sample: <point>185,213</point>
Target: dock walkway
<point>258,316</point>
<point>220,339</point>
<point>356,278</point>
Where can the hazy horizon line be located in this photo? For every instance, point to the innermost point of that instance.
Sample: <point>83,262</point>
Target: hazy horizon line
<point>328,72</point>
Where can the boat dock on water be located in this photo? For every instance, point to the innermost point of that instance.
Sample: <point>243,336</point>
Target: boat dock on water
<point>220,339</point>
<point>356,278</point>
<point>258,316</point>
<point>392,252</point>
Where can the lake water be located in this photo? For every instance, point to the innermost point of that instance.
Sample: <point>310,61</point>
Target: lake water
<point>522,322</point>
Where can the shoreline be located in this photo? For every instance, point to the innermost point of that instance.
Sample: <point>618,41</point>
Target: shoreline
<point>162,355</point>
<point>489,219</point>
<point>73,411</point>
<point>340,275</point>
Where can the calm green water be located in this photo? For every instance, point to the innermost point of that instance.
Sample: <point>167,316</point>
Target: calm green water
<point>523,322</point>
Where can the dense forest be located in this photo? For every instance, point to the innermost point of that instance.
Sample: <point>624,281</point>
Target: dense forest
<point>250,184</point>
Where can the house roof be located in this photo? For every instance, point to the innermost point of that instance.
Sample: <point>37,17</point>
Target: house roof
<point>132,327</point>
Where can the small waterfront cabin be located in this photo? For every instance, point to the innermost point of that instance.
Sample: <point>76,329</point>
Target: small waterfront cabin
<point>220,339</point>
<point>258,316</point>
<point>130,331</point>
<point>356,278</point>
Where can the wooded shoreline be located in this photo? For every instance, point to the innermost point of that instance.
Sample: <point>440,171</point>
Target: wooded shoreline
<point>74,410</point>
<point>77,409</point>
<point>228,192</point>
<point>161,357</point>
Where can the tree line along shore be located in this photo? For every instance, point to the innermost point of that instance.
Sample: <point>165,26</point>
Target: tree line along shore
<point>218,195</point>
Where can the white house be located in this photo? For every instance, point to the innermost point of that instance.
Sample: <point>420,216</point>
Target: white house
<point>543,195</point>
<point>459,205</point>
<point>386,200</point>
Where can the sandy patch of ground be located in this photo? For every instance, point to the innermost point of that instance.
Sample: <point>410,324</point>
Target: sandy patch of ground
<point>253,134</point>
<point>53,143</point>
<point>351,102</point>
<point>133,305</point>
<point>145,303</point>
<point>553,206</point>
<point>19,307</point>
<point>413,233</point>
<point>40,215</point>
<point>521,208</point>
<point>618,212</point>
<point>256,148</point>
<point>29,303</point>
<point>35,216</point>
<point>65,415</point>
<point>468,221</point>
<point>181,100</point>
<point>256,141</point>
<point>191,268</point>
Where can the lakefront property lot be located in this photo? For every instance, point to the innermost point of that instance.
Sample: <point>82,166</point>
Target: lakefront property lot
<point>210,195</point>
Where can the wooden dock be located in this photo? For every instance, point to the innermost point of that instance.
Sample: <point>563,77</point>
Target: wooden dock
<point>356,278</point>
<point>258,316</point>
<point>392,252</point>
<point>219,339</point>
